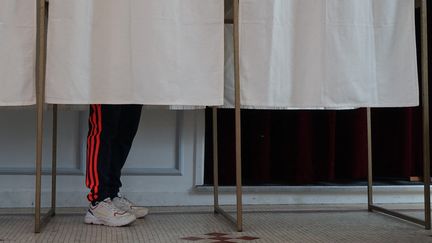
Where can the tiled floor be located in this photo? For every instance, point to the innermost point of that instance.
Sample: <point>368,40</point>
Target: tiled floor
<point>262,224</point>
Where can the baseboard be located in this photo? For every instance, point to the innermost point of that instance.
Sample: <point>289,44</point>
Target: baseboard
<point>307,195</point>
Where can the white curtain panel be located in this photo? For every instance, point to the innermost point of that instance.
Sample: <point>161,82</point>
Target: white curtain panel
<point>152,52</point>
<point>325,54</point>
<point>17,52</point>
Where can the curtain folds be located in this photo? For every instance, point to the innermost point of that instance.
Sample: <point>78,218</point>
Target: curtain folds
<point>149,52</point>
<point>17,52</point>
<point>318,54</point>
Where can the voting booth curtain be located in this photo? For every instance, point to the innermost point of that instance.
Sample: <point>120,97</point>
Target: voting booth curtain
<point>147,52</point>
<point>294,54</point>
<point>314,54</point>
<point>17,52</point>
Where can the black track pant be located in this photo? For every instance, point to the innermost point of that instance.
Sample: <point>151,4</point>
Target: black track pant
<point>112,129</point>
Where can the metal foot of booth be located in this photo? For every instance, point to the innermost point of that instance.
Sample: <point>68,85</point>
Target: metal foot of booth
<point>40,220</point>
<point>426,142</point>
<point>237,221</point>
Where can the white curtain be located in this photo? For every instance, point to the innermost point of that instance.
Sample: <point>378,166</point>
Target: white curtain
<point>152,52</point>
<point>325,54</point>
<point>17,52</point>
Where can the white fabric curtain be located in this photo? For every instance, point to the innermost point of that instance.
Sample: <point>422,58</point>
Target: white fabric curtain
<point>152,52</point>
<point>17,52</point>
<point>325,54</point>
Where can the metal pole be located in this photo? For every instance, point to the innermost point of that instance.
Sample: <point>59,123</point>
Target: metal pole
<point>370,168</point>
<point>54,159</point>
<point>40,87</point>
<point>215,160</point>
<point>425,103</point>
<point>238,116</point>
<point>238,221</point>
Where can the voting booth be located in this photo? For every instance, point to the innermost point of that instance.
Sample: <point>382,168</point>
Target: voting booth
<point>154,53</point>
<point>329,54</point>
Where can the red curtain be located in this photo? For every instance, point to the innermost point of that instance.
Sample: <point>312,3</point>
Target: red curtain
<point>317,147</point>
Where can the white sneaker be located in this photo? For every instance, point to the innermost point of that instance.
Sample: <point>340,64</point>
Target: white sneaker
<point>105,213</point>
<point>126,205</point>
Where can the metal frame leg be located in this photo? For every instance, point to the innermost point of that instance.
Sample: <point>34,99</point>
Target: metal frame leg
<point>40,93</point>
<point>54,160</point>
<point>239,192</point>
<point>426,142</point>
<point>215,160</point>
<point>370,172</point>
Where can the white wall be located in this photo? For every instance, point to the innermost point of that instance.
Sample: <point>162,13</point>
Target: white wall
<point>168,150</point>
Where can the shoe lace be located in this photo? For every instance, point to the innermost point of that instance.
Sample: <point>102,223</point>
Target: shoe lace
<point>109,204</point>
<point>124,200</point>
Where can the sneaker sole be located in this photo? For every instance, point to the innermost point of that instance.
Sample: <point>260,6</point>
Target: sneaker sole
<point>140,216</point>
<point>91,219</point>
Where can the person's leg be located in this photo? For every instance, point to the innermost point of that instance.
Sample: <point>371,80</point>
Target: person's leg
<point>103,128</point>
<point>128,127</point>
<point>122,143</point>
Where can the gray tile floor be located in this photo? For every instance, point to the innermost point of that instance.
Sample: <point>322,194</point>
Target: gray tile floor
<point>198,224</point>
